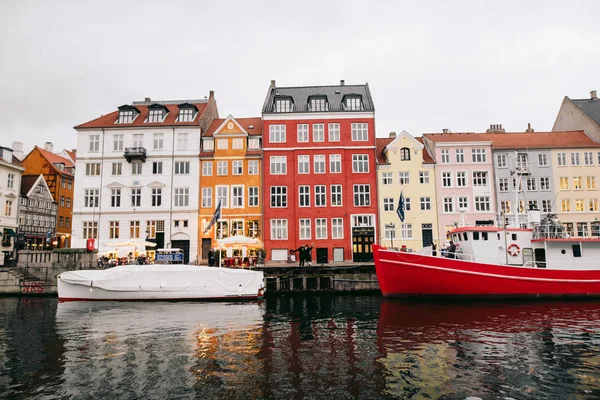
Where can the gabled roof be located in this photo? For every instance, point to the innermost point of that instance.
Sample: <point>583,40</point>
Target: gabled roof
<point>245,123</point>
<point>301,94</point>
<point>53,158</point>
<point>455,137</point>
<point>589,106</point>
<point>381,144</point>
<point>72,154</point>
<point>108,121</point>
<point>427,158</point>
<point>541,140</point>
<point>29,182</point>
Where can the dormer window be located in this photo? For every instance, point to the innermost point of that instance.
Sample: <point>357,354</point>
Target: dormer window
<point>318,103</point>
<point>187,112</point>
<point>405,154</point>
<point>208,145</point>
<point>283,105</point>
<point>125,116</point>
<point>155,116</point>
<point>353,103</point>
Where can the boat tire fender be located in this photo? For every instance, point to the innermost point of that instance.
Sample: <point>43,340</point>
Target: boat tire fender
<point>513,250</point>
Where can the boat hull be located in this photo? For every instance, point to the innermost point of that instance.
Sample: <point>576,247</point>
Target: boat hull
<point>147,283</point>
<point>411,274</point>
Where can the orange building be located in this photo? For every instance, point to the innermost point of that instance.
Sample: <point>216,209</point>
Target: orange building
<point>59,173</point>
<point>230,172</point>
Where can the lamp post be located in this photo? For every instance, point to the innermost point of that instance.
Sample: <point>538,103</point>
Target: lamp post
<point>392,226</point>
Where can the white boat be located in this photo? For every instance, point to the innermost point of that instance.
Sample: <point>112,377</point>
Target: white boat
<point>160,282</point>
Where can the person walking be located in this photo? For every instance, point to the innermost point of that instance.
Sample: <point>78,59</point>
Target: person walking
<point>301,255</point>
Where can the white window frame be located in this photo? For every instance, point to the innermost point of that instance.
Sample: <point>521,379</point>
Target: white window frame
<point>302,133</point>
<point>319,164</point>
<point>318,133</point>
<point>277,133</point>
<point>337,228</point>
<point>335,163</point>
<point>334,132</point>
<point>279,229</point>
<point>207,168</point>
<point>303,164</point>
<point>278,165</point>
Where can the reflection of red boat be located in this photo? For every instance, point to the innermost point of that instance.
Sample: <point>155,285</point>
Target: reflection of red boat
<point>495,262</point>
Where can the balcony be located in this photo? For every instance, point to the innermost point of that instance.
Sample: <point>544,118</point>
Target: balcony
<point>135,153</point>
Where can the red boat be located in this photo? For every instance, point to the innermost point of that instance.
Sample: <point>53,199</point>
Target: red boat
<point>497,262</point>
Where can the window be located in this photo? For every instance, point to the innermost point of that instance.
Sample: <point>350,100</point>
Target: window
<point>90,198</point>
<point>305,233</point>
<point>117,168</point>
<point>362,195</point>
<point>335,163</point>
<point>155,115</point>
<point>8,208</point>
<point>353,103</point>
<point>134,229</point>
<point>482,203</point>
<point>68,202</point>
<point>532,205</point>
<point>11,181</point>
<point>321,228</point>
<point>62,201</point>
<point>407,203</point>
<point>334,132</point>
<point>463,203</point>
<point>593,204</point>
<point>125,117</point>
<point>118,142</point>
<point>207,197</point>
<point>588,158</point>
<point>318,132</point>
<point>237,167</point>
<point>320,196</point>
<point>564,183</point>
<point>304,196</point>
<point>566,205</point>
<point>319,164</point>
<point>545,183</point>
<point>423,177</point>
<point>478,155</point>
<point>479,178</point>
<point>579,205</point>
<point>531,184</point>
<point>501,161</point>
<point>186,114</point>
<point>157,167</point>
<point>388,204</point>
<point>390,231</point>
<point>277,134</point>
<point>591,182</point>
<point>577,183</point>
<point>336,195</point>
<point>446,179</point>
<point>92,169</point>
<point>522,161</point>
<point>156,197</point>
<point>542,160</point>
<point>404,177</point>
<point>574,158</point>
<point>283,105</point>
<point>113,231</point>
<point>405,154</point>
<point>252,167</point>
<point>425,203</point>
<point>303,164</point>
<point>254,143</point>
<point>182,197</point>
<point>182,141</point>
<point>222,144</point>
<point>360,131</point>
<point>406,230</point>
<point>182,167</point>
<point>208,144</point>
<point>460,156</point>
<point>115,197</point>
<point>278,165</point>
<point>461,179</point>
<point>561,159</point>
<point>138,140</point>
<point>61,221</point>
<point>151,229</point>
<point>207,167</point>
<point>90,229</point>
<point>448,204</point>
<point>337,228</point>
<point>69,185</point>
<point>503,185</point>
<point>546,206</point>
<point>360,163</point>
<point>253,196</point>
<point>279,229</point>
<point>223,196</point>
<point>253,228</point>
<point>237,144</point>
<point>222,168</point>
<point>278,196</point>
<point>136,197</point>
<point>158,141</point>
<point>445,156</point>
<point>303,133</point>
<point>237,196</point>
<point>94,143</point>
<point>136,168</point>
<point>318,104</point>
<point>387,178</point>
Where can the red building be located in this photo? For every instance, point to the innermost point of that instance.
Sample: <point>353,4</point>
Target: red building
<point>320,180</point>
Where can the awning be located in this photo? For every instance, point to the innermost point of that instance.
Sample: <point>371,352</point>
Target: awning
<point>10,232</point>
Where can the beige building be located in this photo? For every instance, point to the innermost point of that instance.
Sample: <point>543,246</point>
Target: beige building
<point>405,166</point>
<point>580,114</point>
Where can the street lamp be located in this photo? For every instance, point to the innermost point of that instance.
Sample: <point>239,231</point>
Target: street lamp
<point>392,227</point>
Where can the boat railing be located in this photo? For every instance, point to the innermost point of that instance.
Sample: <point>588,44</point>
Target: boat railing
<point>550,232</point>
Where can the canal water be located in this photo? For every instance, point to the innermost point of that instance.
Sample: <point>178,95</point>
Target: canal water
<point>321,347</point>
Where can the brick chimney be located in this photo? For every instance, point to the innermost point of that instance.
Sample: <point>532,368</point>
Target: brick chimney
<point>211,94</point>
<point>392,135</point>
<point>445,130</point>
<point>48,146</point>
<point>593,95</point>
<point>529,128</point>
<point>147,100</point>
<point>342,82</point>
<point>272,83</point>
<point>496,128</point>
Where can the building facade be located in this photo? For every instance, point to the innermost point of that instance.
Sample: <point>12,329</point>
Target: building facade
<point>320,177</point>
<point>138,167</point>
<point>37,214</point>
<point>230,173</point>
<point>10,185</point>
<point>580,115</point>
<point>405,167</point>
<point>59,175</point>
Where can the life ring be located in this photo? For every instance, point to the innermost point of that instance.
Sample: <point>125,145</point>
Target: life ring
<point>513,250</point>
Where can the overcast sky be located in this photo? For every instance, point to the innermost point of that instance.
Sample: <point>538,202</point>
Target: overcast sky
<point>430,65</point>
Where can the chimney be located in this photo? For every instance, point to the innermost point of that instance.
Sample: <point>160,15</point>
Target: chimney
<point>273,83</point>
<point>495,128</point>
<point>445,130</point>
<point>17,148</point>
<point>593,95</point>
<point>147,100</point>
<point>211,94</point>
<point>529,128</point>
<point>342,82</point>
<point>48,146</point>
<point>392,135</point>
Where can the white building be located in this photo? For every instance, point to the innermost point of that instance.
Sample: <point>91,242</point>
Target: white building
<point>10,186</point>
<point>137,176</point>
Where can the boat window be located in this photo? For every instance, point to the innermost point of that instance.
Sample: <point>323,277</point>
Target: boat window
<point>576,250</point>
<point>514,236</point>
<point>484,235</point>
<point>475,235</point>
<point>498,236</point>
<point>465,237</point>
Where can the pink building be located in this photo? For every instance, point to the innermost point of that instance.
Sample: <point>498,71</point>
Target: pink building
<point>464,179</point>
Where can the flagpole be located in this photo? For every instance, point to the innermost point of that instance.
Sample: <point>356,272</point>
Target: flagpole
<point>220,235</point>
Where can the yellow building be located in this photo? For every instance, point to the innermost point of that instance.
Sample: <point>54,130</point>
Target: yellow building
<point>230,172</point>
<point>405,166</point>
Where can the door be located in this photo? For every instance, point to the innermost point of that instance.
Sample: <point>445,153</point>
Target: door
<point>185,246</point>
<point>427,234</point>
<point>540,258</point>
<point>362,244</point>
<point>205,248</point>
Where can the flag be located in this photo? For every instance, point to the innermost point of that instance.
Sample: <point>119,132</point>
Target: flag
<point>400,209</point>
<point>215,218</point>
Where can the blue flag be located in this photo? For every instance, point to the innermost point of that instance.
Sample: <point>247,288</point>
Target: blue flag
<point>215,218</point>
<point>400,209</point>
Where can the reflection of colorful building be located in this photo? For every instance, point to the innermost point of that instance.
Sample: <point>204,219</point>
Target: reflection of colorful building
<point>37,213</point>
<point>10,183</point>
<point>230,173</point>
